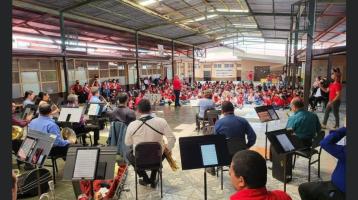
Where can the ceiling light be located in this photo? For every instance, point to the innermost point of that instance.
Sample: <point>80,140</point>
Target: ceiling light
<point>246,25</point>
<point>203,18</point>
<point>230,10</point>
<point>147,2</point>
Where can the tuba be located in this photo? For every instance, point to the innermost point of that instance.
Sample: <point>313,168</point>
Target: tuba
<point>69,134</point>
<point>17,132</point>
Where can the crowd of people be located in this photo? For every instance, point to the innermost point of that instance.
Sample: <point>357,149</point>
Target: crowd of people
<point>248,169</point>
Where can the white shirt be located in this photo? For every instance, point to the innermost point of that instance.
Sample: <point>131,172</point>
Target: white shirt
<point>146,134</point>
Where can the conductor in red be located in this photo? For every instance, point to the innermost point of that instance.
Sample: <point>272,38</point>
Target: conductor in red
<point>176,88</point>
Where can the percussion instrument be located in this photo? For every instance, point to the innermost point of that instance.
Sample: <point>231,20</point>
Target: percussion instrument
<point>69,134</point>
<point>29,181</point>
<point>17,132</point>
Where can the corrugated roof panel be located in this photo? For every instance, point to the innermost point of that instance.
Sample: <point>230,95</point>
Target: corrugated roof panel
<point>169,31</point>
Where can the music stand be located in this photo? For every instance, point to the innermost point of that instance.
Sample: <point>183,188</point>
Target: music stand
<point>70,114</point>
<point>284,144</point>
<point>94,109</point>
<point>34,150</point>
<point>266,114</point>
<point>200,152</point>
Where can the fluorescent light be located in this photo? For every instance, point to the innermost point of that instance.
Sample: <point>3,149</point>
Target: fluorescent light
<point>148,2</point>
<point>202,18</point>
<point>230,10</point>
<point>246,25</point>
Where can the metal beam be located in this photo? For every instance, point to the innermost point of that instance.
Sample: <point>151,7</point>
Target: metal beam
<point>309,54</point>
<point>172,60</point>
<point>329,66</point>
<point>136,59</point>
<point>295,60</point>
<point>193,79</point>
<point>89,20</point>
<point>63,51</point>
<point>69,8</point>
<point>340,21</point>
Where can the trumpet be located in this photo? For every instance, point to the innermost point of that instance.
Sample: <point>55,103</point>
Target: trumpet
<point>17,132</point>
<point>69,134</point>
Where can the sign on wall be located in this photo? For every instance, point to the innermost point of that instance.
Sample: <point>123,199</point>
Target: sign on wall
<point>225,73</point>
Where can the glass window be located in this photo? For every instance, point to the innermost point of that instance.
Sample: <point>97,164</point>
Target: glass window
<point>47,65</point>
<point>29,65</point>
<point>103,65</point>
<point>71,75</point>
<point>15,77</point>
<point>47,76</point>
<point>104,73</point>
<point>50,87</point>
<point>16,92</point>
<point>113,72</point>
<point>92,65</point>
<point>15,66</point>
<point>81,75</point>
<point>121,73</point>
<point>31,86</point>
<point>132,75</point>
<point>29,77</point>
<point>70,64</point>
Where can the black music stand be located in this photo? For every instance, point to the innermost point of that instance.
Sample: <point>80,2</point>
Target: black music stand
<point>266,114</point>
<point>70,114</point>
<point>34,150</point>
<point>201,152</point>
<point>285,144</point>
<point>105,163</point>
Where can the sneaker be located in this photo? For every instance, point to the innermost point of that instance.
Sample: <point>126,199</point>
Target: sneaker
<point>154,184</point>
<point>211,171</point>
<point>142,182</point>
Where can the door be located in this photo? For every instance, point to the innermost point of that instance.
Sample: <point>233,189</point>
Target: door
<point>261,72</point>
<point>207,75</point>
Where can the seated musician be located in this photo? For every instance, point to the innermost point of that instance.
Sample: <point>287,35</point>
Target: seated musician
<point>18,122</point>
<point>148,128</point>
<point>45,124</point>
<point>29,98</point>
<point>304,124</point>
<point>248,174</point>
<point>204,104</point>
<point>122,113</point>
<point>44,97</point>
<point>81,128</point>
<point>334,189</point>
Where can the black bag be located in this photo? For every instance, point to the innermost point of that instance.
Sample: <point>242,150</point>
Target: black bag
<point>27,183</point>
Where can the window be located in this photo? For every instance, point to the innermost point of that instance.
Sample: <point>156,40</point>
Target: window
<point>47,76</point>
<point>228,65</point>
<point>104,73</point>
<point>207,66</point>
<point>113,72</point>
<point>46,65</point>
<point>50,87</point>
<point>15,77</point>
<point>29,65</point>
<point>217,65</point>
<point>102,65</point>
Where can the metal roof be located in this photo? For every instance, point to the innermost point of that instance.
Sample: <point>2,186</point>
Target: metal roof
<point>202,23</point>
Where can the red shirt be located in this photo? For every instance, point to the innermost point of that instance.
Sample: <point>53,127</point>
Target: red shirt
<point>260,194</point>
<point>333,89</point>
<point>176,84</point>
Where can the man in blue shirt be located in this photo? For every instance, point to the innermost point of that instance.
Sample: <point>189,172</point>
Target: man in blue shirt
<point>234,126</point>
<point>45,124</point>
<point>204,104</point>
<point>304,124</point>
<point>334,189</point>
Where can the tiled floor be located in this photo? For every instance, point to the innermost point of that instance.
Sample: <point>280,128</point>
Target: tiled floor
<point>189,184</point>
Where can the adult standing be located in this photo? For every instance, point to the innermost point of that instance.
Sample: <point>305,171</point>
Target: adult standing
<point>177,88</point>
<point>334,97</point>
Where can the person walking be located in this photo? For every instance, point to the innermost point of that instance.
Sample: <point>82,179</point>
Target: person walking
<point>334,98</point>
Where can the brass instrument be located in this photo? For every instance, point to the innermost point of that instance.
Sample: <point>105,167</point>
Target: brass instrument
<point>17,132</point>
<point>172,163</point>
<point>69,134</point>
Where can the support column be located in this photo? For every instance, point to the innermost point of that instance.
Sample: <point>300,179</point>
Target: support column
<point>136,59</point>
<point>289,67</point>
<point>308,67</point>
<point>63,52</point>
<point>286,54</point>
<point>329,66</point>
<point>295,59</point>
<point>172,59</point>
<point>193,79</point>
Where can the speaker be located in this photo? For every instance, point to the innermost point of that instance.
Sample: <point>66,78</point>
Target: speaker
<point>278,166</point>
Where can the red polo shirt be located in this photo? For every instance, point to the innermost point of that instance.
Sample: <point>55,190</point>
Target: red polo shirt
<point>260,194</point>
<point>333,89</point>
<point>176,84</point>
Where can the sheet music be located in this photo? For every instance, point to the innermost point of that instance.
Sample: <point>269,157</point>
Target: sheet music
<point>85,164</point>
<point>93,109</point>
<point>75,113</point>
<point>208,153</point>
<point>285,142</point>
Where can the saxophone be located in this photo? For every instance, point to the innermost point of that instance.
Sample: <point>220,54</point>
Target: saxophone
<point>172,162</point>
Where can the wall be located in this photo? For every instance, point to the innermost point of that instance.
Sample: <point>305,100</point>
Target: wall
<point>248,65</point>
